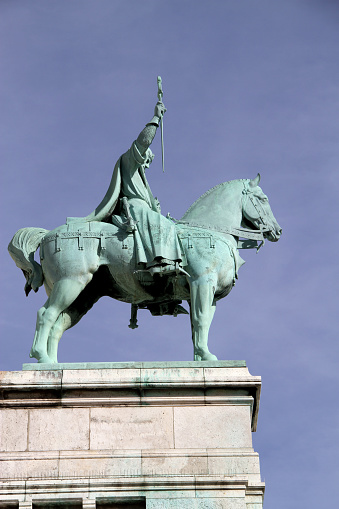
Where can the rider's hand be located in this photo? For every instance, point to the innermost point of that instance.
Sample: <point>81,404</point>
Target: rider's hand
<point>159,109</point>
<point>157,204</point>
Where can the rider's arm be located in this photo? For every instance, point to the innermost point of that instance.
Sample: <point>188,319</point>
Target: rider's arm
<point>135,156</point>
<point>146,136</point>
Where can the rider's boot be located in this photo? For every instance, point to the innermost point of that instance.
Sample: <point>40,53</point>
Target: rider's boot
<point>166,269</point>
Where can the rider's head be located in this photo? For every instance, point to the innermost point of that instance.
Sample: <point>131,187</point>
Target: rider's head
<point>149,156</point>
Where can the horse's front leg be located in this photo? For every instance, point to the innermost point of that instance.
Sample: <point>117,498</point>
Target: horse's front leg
<point>202,310</point>
<point>62,323</point>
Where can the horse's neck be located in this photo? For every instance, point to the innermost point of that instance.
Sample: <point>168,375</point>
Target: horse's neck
<point>218,207</point>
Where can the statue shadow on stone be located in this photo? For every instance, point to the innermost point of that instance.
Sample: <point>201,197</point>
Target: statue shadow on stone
<point>127,250</point>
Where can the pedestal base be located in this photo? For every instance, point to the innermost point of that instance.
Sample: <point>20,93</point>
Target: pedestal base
<point>151,435</point>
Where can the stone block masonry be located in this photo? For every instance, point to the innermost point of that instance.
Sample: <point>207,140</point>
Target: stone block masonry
<point>153,435</point>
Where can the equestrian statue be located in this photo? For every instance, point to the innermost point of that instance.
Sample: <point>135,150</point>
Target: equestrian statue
<point>126,249</point>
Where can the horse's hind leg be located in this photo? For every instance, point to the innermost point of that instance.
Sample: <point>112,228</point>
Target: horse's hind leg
<point>37,325</point>
<point>64,292</point>
<point>202,310</point>
<point>71,316</point>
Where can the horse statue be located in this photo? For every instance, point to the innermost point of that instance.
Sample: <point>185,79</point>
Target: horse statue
<point>84,261</point>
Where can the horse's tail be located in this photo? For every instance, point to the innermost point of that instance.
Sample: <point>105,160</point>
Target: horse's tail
<point>22,248</point>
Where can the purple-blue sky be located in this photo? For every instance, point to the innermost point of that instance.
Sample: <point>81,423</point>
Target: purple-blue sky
<point>249,86</point>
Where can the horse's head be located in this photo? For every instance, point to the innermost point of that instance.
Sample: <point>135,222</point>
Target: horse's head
<point>257,211</point>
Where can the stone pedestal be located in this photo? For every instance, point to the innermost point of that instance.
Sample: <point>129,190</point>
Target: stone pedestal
<point>142,435</point>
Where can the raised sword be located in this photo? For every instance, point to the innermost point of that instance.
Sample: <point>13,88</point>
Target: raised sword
<point>160,94</point>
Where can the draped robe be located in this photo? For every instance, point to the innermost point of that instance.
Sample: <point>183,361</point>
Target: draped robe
<point>155,236</point>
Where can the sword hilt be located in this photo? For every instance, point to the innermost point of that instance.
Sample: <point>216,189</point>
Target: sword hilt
<point>160,92</point>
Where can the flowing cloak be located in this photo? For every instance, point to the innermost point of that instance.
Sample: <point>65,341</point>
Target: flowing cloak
<point>156,235</point>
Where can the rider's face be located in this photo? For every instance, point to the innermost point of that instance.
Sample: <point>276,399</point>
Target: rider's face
<point>148,162</point>
<point>149,159</point>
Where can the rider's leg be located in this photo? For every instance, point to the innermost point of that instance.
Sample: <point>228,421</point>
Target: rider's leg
<point>156,238</point>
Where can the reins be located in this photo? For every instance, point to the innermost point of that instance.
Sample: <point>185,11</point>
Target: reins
<point>244,233</point>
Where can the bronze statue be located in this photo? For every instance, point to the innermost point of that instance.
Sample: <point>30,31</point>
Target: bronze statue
<point>127,250</point>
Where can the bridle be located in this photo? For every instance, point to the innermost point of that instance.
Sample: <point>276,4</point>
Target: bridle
<point>248,195</point>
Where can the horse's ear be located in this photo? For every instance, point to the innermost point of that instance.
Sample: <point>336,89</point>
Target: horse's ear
<point>255,181</point>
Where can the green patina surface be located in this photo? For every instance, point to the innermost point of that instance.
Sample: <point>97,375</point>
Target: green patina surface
<point>142,257</point>
<point>133,365</point>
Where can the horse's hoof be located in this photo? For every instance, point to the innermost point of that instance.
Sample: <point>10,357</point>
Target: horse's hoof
<point>45,360</point>
<point>42,359</point>
<point>208,357</point>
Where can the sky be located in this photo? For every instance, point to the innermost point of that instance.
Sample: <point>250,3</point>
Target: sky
<point>249,86</point>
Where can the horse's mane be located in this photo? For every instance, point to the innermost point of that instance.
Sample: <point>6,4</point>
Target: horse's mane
<point>223,184</point>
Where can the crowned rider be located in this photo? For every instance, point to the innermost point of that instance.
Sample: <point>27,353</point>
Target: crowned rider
<point>157,246</point>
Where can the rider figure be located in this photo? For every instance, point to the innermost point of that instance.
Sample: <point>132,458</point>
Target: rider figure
<point>157,246</point>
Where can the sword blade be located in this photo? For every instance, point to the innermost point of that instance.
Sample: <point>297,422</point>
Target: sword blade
<point>162,146</point>
<point>160,94</point>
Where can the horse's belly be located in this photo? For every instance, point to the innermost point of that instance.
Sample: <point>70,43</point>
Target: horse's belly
<point>121,261</point>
